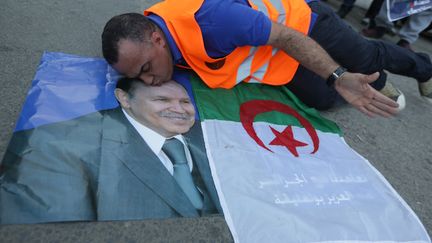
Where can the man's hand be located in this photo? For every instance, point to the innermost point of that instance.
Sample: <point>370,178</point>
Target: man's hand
<point>355,89</point>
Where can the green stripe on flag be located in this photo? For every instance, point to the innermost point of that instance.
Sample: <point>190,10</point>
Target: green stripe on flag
<point>224,104</point>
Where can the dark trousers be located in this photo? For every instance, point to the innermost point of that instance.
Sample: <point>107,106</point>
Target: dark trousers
<point>374,8</point>
<point>357,54</point>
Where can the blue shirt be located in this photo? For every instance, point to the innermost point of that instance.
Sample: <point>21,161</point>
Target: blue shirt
<point>225,25</point>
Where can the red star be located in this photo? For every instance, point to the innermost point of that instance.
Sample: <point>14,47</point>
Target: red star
<point>286,138</point>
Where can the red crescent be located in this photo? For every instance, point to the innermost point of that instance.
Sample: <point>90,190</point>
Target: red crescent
<point>250,109</point>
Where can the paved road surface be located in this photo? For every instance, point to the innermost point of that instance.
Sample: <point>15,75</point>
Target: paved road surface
<point>400,148</point>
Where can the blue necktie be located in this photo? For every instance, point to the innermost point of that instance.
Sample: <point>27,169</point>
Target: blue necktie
<point>174,149</point>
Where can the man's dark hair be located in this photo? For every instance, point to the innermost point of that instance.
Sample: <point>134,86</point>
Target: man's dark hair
<point>128,85</point>
<point>128,26</point>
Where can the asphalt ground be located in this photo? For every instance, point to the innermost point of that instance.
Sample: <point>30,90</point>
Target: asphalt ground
<point>399,147</point>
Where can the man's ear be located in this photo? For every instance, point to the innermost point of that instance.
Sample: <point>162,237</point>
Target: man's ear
<point>158,39</point>
<point>122,98</point>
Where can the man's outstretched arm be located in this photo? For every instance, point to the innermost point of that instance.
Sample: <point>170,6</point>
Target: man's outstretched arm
<point>353,87</point>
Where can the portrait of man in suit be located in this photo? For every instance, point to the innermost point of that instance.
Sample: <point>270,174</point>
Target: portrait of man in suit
<point>145,159</point>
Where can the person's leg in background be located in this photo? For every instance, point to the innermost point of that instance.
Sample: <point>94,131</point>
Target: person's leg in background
<point>345,8</point>
<point>372,12</point>
<point>379,25</point>
<point>410,31</point>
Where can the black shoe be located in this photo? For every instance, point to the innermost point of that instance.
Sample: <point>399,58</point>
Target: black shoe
<point>405,44</point>
<point>376,32</point>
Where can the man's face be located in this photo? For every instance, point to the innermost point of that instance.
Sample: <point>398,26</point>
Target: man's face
<point>165,109</point>
<point>149,60</point>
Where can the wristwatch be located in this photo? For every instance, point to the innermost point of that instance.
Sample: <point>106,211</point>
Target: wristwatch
<point>335,75</point>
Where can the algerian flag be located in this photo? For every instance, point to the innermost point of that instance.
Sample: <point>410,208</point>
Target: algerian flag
<point>285,174</point>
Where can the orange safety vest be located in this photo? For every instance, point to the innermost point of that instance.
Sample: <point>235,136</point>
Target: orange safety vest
<point>263,64</point>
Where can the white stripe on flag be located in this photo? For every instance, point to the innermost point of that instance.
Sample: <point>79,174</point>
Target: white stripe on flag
<point>332,195</point>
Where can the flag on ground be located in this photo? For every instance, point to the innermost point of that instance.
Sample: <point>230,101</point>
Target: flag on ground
<point>285,174</point>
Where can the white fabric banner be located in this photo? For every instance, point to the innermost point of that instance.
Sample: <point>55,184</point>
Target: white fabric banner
<point>333,195</point>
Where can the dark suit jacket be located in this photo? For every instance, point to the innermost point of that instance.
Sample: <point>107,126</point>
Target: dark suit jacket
<point>96,167</point>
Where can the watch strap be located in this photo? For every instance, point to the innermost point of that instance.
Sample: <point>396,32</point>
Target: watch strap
<point>335,75</point>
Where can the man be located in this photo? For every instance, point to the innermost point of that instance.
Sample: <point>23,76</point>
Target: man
<point>226,42</point>
<point>111,165</point>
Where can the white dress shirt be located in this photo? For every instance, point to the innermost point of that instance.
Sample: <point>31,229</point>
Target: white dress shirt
<point>155,141</point>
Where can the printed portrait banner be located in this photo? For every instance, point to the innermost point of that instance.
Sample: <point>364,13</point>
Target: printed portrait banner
<point>398,9</point>
<point>283,173</point>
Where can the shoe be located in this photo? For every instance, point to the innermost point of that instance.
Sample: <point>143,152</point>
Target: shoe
<point>376,32</point>
<point>426,33</point>
<point>426,90</point>
<point>395,94</point>
<point>405,44</point>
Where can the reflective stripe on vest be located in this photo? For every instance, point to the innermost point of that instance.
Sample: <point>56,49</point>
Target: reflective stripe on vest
<point>262,64</point>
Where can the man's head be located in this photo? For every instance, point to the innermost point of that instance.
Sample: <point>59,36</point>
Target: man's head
<point>137,48</point>
<point>165,109</point>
